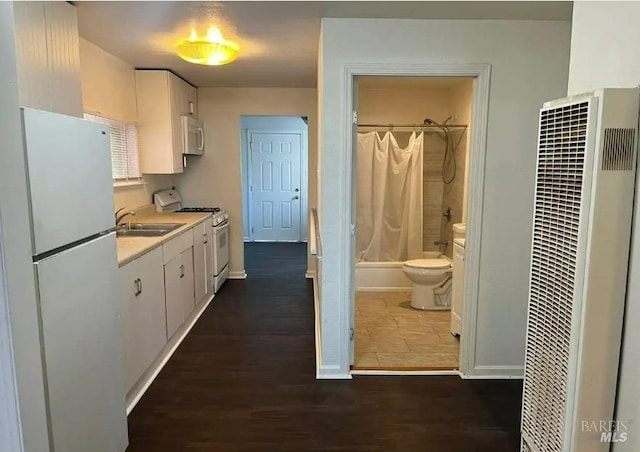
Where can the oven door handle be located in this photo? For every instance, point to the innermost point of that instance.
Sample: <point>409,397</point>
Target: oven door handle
<point>221,226</point>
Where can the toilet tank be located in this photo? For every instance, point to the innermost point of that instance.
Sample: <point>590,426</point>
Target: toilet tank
<point>459,230</point>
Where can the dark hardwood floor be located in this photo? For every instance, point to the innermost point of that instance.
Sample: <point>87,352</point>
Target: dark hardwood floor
<point>244,380</point>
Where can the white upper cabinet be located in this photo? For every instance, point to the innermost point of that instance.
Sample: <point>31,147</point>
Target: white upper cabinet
<point>162,99</point>
<point>48,54</point>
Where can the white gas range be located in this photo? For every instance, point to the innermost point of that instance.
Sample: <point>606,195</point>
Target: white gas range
<point>170,201</point>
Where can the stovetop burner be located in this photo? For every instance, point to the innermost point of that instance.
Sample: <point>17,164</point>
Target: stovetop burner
<point>200,209</point>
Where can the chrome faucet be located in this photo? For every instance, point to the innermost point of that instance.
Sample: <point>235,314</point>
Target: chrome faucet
<point>120,217</point>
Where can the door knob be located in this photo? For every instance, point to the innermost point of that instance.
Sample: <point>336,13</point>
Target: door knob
<point>296,197</point>
<point>297,190</point>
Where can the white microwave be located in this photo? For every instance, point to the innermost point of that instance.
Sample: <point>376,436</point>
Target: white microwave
<point>192,135</point>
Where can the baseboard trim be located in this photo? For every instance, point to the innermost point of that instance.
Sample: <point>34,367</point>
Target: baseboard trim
<point>316,323</point>
<point>495,373</point>
<point>138,390</point>
<point>332,373</point>
<point>238,275</point>
<point>404,372</point>
<point>310,274</point>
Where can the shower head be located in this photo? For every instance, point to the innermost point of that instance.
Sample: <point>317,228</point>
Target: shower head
<point>430,122</point>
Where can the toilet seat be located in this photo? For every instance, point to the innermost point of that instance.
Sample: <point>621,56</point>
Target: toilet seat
<point>434,264</point>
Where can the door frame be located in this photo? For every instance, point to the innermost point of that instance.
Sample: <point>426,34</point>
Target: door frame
<point>10,429</point>
<point>304,199</point>
<point>481,73</point>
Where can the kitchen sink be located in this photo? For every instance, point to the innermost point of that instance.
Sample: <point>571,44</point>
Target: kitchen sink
<point>147,229</point>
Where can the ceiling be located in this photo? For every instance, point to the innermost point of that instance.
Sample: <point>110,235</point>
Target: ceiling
<point>278,40</point>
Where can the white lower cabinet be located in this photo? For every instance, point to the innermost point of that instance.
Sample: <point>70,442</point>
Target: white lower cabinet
<point>143,313</point>
<point>203,260</point>
<point>178,280</point>
<point>158,293</point>
<point>457,296</point>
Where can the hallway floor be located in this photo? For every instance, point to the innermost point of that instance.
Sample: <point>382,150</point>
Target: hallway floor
<point>244,380</point>
<point>391,335</point>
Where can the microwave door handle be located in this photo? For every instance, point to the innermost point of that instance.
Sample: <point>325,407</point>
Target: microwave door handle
<point>201,147</point>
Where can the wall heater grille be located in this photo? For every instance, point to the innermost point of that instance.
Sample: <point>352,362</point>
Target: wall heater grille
<point>619,150</point>
<point>583,208</point>
<point>561,157</point>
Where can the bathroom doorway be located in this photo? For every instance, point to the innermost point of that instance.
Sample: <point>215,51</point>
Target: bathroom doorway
<point>412,149</point>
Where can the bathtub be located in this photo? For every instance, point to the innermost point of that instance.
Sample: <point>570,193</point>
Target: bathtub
<point>386,276</point>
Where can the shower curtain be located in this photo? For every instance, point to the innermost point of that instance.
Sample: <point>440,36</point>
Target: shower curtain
<point>388,198</point>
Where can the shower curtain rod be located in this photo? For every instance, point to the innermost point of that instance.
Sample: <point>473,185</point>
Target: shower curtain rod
<point>415,126</point>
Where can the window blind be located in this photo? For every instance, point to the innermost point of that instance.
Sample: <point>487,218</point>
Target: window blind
<point>125,165</point>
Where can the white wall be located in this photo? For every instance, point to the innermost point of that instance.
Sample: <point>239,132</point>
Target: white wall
<point>604,53</point>
<point>271,123</point>
<point>16,249</point>
<point>529,65</point>
<point>215,179</point>
<point>109,89</point>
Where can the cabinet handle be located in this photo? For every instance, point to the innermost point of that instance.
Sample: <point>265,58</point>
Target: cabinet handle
<point>140,282</point>
<point>182,271</point>
<point>206,238</point>
<point>136,283</point>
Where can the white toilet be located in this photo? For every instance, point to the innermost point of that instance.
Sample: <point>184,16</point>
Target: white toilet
<point>426,275</point>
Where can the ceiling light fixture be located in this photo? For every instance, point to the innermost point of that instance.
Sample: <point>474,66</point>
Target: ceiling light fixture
<point>214,50</point>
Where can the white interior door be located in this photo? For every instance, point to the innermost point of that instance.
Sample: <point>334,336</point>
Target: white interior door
<point>276,186</point>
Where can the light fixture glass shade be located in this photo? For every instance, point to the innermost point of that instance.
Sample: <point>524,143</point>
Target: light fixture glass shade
<point>208,53</point>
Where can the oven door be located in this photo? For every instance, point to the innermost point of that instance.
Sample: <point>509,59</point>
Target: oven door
<point>220,247</point>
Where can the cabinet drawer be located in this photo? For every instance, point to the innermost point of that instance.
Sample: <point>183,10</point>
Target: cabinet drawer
<point>177,245</point>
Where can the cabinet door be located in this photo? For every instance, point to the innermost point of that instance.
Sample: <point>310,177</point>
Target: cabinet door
<point>208,249</point>
<point>173,288</point>
<point>178,109</point>
<point>63,50</point>
<point>128,276</point>
<point>144,319</point>
<point>48,56</point>
<point>31,55</point>
<point>457,296</point>
<point>199,261</point>
<point>188,296</point>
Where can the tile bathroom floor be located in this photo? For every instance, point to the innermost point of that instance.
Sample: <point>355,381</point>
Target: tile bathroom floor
<point>391,335</point>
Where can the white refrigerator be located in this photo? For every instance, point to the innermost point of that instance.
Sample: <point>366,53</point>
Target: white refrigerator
<point>75,263</point>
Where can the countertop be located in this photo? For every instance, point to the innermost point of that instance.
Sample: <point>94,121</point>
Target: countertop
<point>130,248</point>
